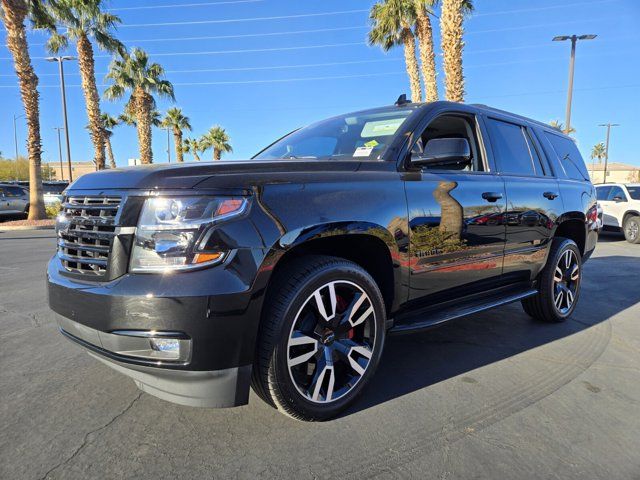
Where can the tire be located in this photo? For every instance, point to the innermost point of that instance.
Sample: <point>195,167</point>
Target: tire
<point>558,284</point>
<point>313,358</point>
<point>26,211</point>
<point>631,229</point>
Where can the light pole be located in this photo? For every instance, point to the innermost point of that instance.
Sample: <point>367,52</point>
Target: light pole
<point>572,61</point>
<point>15,138</point>
<point>606,147</point>
<point>64,107</point>
<point>168,129</point>
<point>60,152</point>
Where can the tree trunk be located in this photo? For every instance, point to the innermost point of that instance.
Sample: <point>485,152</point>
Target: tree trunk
<point>143,103</point>
<point>196,156</point>
<point>112,160</point>
<point>452,45</point>
<point>427,54</point>
<point>15,12</point>
<point>177,141</point>
<point>217,154</point>
<point>451,210</point>
<point>91,98</point>
<point>412,64</point>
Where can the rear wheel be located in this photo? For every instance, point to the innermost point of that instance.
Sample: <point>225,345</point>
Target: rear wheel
<point>321,338</point>
<point>631,229</point>
<point>558,284</point>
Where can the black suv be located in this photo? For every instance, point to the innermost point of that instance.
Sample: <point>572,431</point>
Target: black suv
<point>287,272</point>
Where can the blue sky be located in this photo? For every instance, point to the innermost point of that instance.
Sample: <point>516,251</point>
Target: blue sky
<point>261,68</point>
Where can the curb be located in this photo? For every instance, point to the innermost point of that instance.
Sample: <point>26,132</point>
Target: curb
<point>25,227</point>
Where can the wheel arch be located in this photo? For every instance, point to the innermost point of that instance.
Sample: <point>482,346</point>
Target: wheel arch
<point>572,225</point>
<point>369,245</point>
<point>627,214</point>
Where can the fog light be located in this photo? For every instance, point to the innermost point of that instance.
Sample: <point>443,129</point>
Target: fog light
<point>169,346</point>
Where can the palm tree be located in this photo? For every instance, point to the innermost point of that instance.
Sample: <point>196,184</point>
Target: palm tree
<point>108,124</point>
<point>135,74</point>
<point>83,21</point>
<point>558,125</point>
<point>451,31</point>
<point>14,13</point>
<point>391,22</point>
<point>193,146</point>
<point>128,118</point>
<point>218,139</point>
<point>175,120</point>
<point>424,32</point>
<point>598,151</point>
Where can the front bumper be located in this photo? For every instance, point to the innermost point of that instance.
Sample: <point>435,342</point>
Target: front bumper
<point>213,312</point>
<point>215,388</point>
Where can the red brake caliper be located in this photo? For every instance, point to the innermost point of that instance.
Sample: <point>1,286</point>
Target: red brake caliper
<point>341,304</point>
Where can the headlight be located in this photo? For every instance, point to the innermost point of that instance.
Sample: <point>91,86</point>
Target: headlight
<point>169,230</point>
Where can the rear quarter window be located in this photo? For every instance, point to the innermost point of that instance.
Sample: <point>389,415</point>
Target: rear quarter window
<point>569,156</point>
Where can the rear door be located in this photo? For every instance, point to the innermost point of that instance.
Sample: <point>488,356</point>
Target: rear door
<point>533,200</point>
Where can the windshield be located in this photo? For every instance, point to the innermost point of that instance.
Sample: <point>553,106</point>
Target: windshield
<point>634,191</point>
<point>365,135</point>
<point>54,188</point>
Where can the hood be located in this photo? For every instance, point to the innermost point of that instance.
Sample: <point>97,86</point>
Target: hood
<point>232,174</point>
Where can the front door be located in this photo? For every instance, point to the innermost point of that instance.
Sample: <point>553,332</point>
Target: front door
<point>455,218</point>
<point>614,206</point>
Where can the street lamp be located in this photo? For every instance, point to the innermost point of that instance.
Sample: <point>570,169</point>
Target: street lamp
<point>60,151</point>
<point>168,129</point>
<point>574,39</point>
<point>15,138</point>
<point>60,60</point>
<point>606,147</point>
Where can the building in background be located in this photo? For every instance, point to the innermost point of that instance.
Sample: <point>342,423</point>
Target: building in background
<point>616,173</point>
<point>77,169</point>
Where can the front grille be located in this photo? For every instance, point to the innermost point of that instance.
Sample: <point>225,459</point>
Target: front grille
<point>84,247</point>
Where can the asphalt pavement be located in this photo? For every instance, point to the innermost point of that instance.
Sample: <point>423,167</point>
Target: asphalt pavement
<point>495,395</point>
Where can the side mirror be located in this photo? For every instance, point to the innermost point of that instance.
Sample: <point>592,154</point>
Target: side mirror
<point>443,151</point>
<point>618,199</point>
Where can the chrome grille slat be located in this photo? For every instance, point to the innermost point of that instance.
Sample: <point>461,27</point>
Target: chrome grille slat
<point>85,247</point>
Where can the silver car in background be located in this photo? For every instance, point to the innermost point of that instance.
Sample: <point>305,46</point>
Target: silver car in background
<point>14,200</point>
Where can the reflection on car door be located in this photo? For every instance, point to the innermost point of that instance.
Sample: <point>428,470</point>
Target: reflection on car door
<point>455,220</point>
<point>533,197</point>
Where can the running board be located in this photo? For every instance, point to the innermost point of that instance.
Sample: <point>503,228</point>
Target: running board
<point>435,315</point>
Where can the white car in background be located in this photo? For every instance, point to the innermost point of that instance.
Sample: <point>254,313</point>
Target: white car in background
<point>621,208</point>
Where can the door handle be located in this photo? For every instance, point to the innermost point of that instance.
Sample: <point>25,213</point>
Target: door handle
<point>492,196</point>
<point>550,195</point>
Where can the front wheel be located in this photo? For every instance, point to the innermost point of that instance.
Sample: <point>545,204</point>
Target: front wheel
<point>631,229</point>
<point>321,338</point>
<point>558,284</point>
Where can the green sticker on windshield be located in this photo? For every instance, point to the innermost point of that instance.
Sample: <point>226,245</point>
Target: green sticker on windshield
<point>371,143</point>
<point>381,128</point>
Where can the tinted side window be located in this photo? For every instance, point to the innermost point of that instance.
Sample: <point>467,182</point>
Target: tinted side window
<point>603,192</point>
<point>511,148</point>
<point>569,156</point>
<point>14,191</point>
<point>616,192</point>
